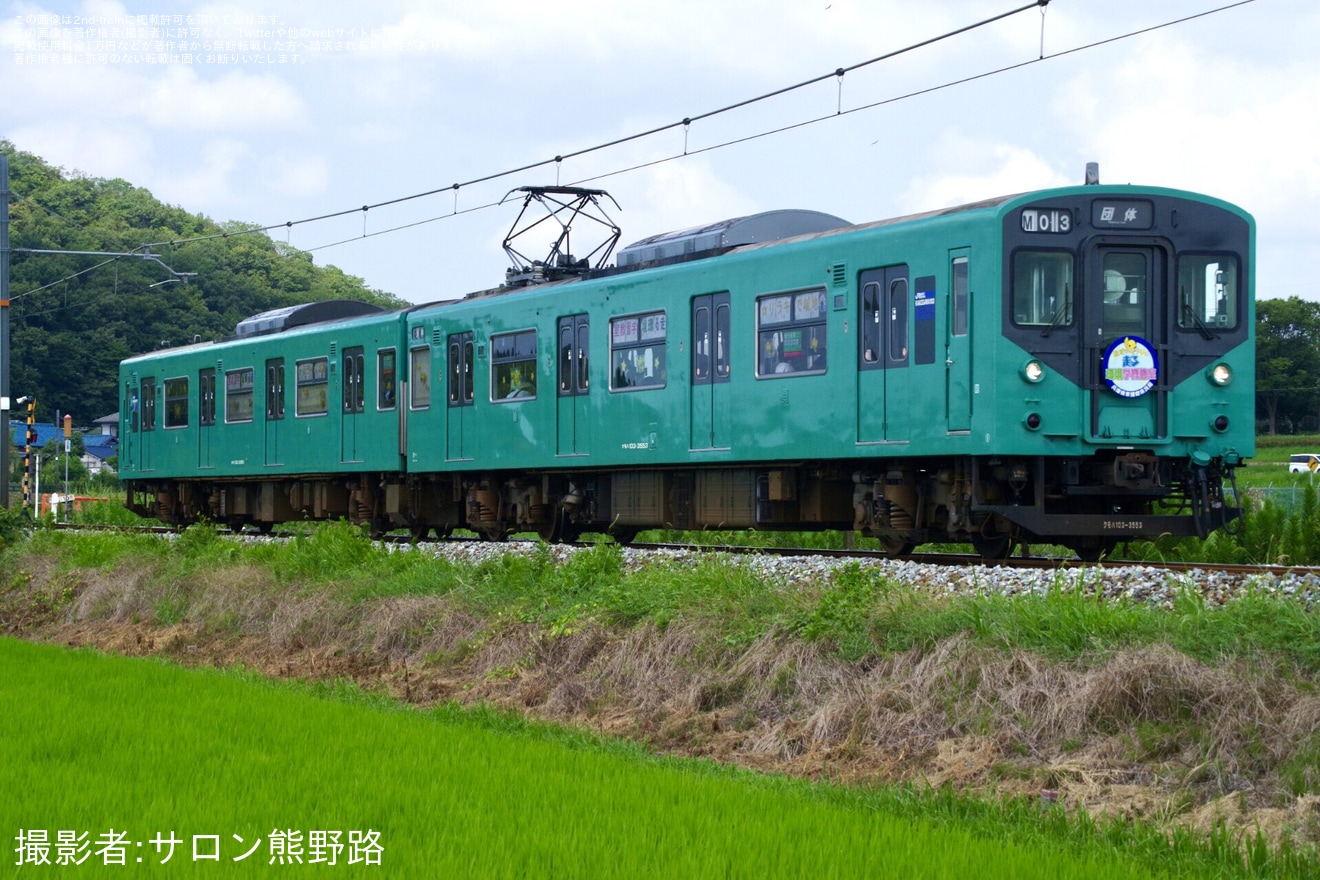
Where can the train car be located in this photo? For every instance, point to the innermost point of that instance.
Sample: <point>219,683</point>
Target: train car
<point>294,416</point>
<point>1072,366</point>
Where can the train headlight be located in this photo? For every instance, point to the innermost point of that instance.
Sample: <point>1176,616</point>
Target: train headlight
<point>1221,375</point>
<point>1033,371</point>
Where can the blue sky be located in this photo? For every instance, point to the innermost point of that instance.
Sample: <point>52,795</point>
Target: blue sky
<point>265,112</point>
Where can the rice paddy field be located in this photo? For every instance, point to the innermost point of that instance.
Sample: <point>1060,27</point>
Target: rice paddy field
<point>227,774</point>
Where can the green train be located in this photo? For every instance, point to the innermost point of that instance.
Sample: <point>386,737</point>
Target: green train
<point>1071,366</point>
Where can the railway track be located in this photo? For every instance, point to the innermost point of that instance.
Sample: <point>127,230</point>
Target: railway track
<point>954,560</point>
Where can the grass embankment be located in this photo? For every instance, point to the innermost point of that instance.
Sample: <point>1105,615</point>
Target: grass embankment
<point>1186,719</point>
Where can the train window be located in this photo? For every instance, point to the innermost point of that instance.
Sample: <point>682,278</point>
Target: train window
<point>1126,288</point>
<point>206,396</point>
<point>460,369</point>
<point>387,373</point>
<point>871,323</point>
<point>1043,289</point>
<point>149,404</point>
<point>710,338</point>
<point>1207,292</point>
<point>313,387</point>
<point>637,351</point>
<point>960,296</point>
<point>238,395</point>
<point>573,352</point>
<point>513,366</point>
<point>176,402</point>
<point>354,384</point>
<point>275,389</point>
<point>791,333</point>
<point>898,321</point>
<point>721,340</point>
<point>419,371</point>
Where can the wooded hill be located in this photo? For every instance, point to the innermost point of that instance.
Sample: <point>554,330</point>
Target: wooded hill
<point>68,336</point>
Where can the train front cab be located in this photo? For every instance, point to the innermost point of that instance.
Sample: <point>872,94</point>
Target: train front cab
<point>1133,313</point>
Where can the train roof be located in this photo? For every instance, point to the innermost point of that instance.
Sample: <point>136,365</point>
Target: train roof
<point>288,317</point>
<point>768,226</point>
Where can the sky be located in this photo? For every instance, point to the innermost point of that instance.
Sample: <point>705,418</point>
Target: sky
<point>265,112</point>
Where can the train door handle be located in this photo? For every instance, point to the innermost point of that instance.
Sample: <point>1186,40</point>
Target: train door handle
<point>948,362</point>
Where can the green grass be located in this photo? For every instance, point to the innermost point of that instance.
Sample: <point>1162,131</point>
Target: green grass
<point>142,748</point>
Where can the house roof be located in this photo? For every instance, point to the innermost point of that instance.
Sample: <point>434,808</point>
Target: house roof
<point>45,432</point>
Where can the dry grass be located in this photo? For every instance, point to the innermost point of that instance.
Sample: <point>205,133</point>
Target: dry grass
<point>1145,732</point>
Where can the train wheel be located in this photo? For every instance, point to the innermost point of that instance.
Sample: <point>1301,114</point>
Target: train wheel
<point>419,530</point>
<point>1092,549</point>
<point>235,525</point>
<point>896,546</point>
<point>624,536</point>
<point>993,548</point>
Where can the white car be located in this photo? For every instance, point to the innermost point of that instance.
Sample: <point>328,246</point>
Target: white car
<point>1305,462</point>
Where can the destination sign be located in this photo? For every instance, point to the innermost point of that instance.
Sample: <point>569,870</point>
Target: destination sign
<point>1122,214</point>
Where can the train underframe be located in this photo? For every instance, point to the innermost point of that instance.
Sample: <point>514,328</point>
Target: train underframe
<point>1089,504</point>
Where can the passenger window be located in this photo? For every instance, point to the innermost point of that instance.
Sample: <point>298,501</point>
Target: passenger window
<point>176,403</point>
<point>960,296</point>
<point>573,338</point>
<point>354,382</point>
<point>419,372</point>
<point>387,382</point>
<point>791,333</point>
<point>238,395</point>
<point>637,351</point>
<point>149,404</point>
<point>1043,289</point>
<point>513,366</point>
<point>313,387</point>
<point>1207,292</point>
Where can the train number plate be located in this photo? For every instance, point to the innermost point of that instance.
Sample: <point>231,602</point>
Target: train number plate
<point>1047,220</point>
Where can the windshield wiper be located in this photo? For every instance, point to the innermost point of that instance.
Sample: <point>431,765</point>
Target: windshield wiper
<point>1064,309</point>
<point>1189,312</point>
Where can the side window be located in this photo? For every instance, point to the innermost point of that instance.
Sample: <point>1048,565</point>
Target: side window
<point>131,404</point>
<point>387,378</point>
<point>513,366</point>
<point>1043,289</point>
<point>898,322</point>
<point>354,383</point>
<point>176,402</point>
<point>460,369</point>
<point>275,389</point>
<point>573,352</point>
<point>960,296</point>
<point>206,396</point>
<point>637,351</point>
<point>419,373</point>
<point>870,323</point>
<point>710,338</point>
<point>1207,292</point>
<point>149,404</point>
<point>790,333</point>
<point>313,387</point>
<point>238,395</point>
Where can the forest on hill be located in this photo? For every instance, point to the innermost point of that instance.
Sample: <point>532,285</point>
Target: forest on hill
<point>69,327</point>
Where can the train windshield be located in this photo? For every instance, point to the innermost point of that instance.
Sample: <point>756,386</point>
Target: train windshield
<point>1126,291</point>
<point>1043,288</point>
<point>1207,292</point>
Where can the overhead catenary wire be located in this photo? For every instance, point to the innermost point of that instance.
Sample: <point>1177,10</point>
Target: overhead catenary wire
<point>685,123</point>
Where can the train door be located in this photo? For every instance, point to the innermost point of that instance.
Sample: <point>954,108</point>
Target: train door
<point>711,413</point>
<point>1126,351</point>
<point>205,415</point>
<point>130,426</point>
<point>958,347</point>
<point>882,357</point>
<point>274,409</point>
<point>353,391</point>
<point>460,398</point>
<point>574,415</point>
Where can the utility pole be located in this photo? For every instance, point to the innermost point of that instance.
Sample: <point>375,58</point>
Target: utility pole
<point>4,331</point>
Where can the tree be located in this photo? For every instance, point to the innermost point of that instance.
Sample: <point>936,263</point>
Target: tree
<point>1287,359</point>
